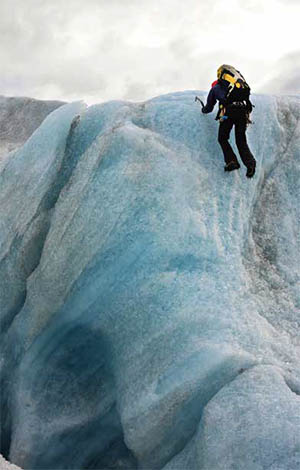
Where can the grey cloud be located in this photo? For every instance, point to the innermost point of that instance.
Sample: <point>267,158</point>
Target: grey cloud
<point>74,78</point>
<point>135,91</point>
<point>99,49</point>
<point>293,2</point>
<point>291,85</point>
<point>34,49</point>
<point>255,6</point>
<point>286,79</point>
<point>181,48</point>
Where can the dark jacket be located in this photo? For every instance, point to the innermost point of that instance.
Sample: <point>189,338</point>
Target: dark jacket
<point>217,93</point>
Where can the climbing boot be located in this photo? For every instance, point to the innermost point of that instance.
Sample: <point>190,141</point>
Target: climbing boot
<point>232,166</point>
<point>251,170</point>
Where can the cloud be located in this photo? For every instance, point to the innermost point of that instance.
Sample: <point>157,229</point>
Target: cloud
<point>251,5</point>
<point>41,47</point>
<point>286,76</point>
<point>292,2</point>
<point>135,91</point>
<point>131,49</point>
<point>97,49</point>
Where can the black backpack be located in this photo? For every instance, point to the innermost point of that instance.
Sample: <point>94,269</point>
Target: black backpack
<point>238,88</point>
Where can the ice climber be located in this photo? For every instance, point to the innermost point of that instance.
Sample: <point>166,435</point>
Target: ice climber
<point>233,94</point>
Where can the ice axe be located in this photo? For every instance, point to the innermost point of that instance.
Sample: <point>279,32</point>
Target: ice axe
<point>198,99</point>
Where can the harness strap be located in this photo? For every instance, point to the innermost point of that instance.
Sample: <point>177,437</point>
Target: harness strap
<point>237,104</point>
<point>229,78</point>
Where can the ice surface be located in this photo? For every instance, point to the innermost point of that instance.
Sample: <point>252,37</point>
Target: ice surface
<point>5,465</point>
<point>149,301</point>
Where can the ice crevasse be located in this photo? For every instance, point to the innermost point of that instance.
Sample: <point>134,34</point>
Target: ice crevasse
<point>149,301</point>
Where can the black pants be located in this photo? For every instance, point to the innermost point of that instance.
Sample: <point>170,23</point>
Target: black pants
<point>239,120</point>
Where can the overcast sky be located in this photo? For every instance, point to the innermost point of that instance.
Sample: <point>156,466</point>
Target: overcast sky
<point>98,50</point>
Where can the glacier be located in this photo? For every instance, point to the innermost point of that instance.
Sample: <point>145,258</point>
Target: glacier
<point>149,301</point>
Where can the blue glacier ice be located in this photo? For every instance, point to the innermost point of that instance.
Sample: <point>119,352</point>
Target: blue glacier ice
<point>149,301</point>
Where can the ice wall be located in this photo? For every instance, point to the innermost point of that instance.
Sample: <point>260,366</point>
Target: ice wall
<point>150,301</point>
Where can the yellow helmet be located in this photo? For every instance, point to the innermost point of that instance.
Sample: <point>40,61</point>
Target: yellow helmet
<point>225,68</point>
<point>219,71</point>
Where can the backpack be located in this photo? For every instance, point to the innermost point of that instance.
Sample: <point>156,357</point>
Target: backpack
<point>238,88</point>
